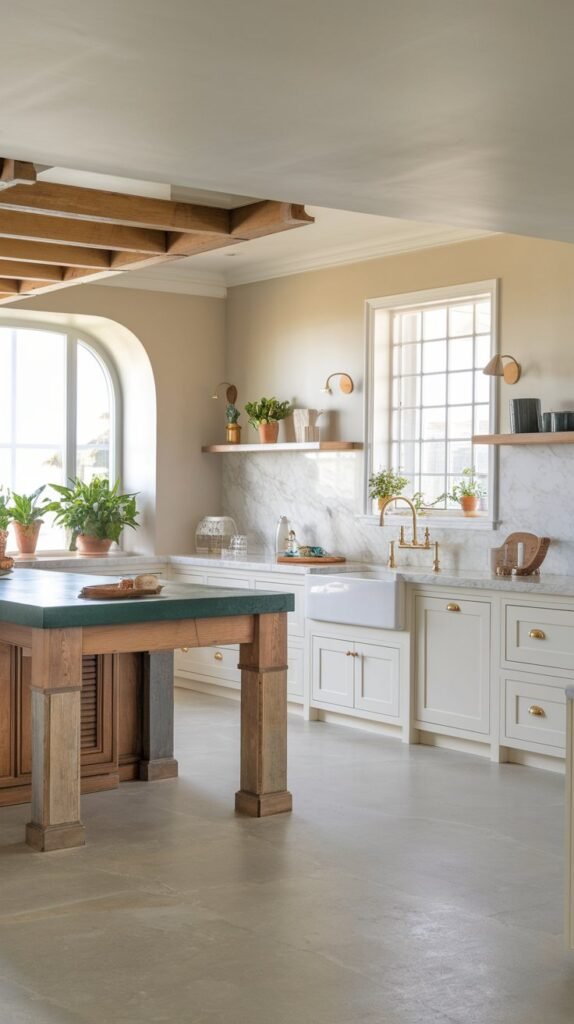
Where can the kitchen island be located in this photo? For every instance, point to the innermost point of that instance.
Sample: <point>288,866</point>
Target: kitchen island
<point>42,614</point>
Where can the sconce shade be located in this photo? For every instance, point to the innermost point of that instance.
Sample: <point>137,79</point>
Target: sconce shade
<point>345,384</point>
<point>230,394</point>
<point>510,372</point>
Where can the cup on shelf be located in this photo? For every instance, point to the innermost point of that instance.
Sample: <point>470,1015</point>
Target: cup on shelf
<point>558,421</point>
<point>525,415</point>
<point>238,546</point>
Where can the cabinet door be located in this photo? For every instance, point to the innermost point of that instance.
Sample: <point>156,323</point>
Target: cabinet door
<point>332,671</point>
<point>453,663</point>
<point>296,618</point>
<point>377,679</point>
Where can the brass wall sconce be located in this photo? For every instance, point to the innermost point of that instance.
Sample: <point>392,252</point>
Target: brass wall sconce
<point>345,384</point>
<point>230,394</point>
<point>496,368</point>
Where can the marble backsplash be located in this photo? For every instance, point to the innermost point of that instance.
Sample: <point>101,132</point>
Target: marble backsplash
<point>321,494</point>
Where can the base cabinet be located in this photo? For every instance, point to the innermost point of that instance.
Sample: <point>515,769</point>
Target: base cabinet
<point>453,658</point>
<point>357,674</point>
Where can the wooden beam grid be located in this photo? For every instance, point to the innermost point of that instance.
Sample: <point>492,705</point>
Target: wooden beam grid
<point>53,235</point>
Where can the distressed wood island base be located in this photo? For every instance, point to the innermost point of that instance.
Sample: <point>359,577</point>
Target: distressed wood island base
<point>42,618</point>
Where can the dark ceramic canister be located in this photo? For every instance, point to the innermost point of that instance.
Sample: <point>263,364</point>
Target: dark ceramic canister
<point>546,422</point>
<point>525,415</point>
<point>559,421</point>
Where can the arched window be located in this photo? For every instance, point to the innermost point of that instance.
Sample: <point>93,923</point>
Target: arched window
<point>59,412</point>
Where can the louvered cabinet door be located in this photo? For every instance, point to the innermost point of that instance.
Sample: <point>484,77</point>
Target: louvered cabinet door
<point>98,739</point>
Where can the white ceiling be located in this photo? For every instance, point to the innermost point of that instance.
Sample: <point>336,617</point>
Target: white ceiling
<point>447,111</point>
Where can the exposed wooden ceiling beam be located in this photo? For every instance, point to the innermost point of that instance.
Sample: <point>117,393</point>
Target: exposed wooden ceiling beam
<point>267,218</point>
<point>16,172</point>
<point>116,208</point>
<point>38,227</point>
<point>19,270</point>
<point>56,255</point>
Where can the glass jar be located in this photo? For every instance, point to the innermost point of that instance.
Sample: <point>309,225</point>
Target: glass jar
<point>213,534</point>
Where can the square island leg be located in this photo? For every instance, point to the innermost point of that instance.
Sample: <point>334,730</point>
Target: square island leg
<point>56,694</point>
<point>263,664</point>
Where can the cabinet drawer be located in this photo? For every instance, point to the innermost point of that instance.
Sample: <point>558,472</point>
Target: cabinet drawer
<point>188,577</point>
<point>540,636</point>
<point>218,662</point>
<point>296,618</point>
<point>534,713</point>
<point>241,582</point>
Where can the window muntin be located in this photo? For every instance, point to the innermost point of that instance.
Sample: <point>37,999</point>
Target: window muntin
<point>428,394</point>
<point>58,416</point>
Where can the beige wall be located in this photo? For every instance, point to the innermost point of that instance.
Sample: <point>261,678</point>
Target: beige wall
<point>184,339</point>
<point>285,335</point>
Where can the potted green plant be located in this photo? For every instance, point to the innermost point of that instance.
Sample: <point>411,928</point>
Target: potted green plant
<point>468,492</point>
<point>265,415</point>
<point>95,513</point>
<point>4,519</point>
<point>233,429</point>
<point>385,484</point>
<point>26,518</point>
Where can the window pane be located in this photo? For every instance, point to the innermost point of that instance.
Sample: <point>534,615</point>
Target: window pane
<point>481,387</point>
<point>409,459</point>
<point>482,351</point>
<point>434,323</point>
<point>459,456</point>
<point>432,487</point>
<point>461,319</point>
<point>410,358</point>
<point>483,316</point>
<point>460,421</point>
<point>93,416</point>
<point>40,387</point>
<point>460,354</point>
<point>480,459</point>
<point>433,456</point>
<point>433,423</point>
<point>410,424</point>
<point>409,391</point>
<point>459,388</point>
<point>6,376</point>
<point>481,419</point>
<point>434,389</point>
<point>411,329</point>
<point>434,356</point>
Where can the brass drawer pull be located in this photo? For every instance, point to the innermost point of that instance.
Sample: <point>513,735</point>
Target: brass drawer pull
<point>537,634</point>
<point>452,607</point>
<point>537,711</point>
<point>349,654</point>
<point>218,656</point>
<point>184,649</point>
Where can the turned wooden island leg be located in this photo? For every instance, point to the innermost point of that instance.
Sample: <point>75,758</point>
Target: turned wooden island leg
<point>263,664</point>
<point>56,687</point>
<point>158,761</point>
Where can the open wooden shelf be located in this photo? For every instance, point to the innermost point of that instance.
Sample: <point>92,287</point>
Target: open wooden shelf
<point>556,437</point>
<point>287,446</point>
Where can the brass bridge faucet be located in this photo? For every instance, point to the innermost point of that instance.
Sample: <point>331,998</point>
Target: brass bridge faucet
<point>414,542</point>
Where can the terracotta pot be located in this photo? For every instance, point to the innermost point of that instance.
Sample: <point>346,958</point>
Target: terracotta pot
<point>3,542</point>
<point>469,504</point>
<point>27,536</point>
<point>92,545</point>
<point>269,432</point>
<point>233,433</point>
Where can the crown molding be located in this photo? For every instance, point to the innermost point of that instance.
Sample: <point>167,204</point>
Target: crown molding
<point>215,284</point>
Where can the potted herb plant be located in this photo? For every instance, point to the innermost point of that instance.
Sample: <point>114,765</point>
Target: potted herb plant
<point>468,492</point>
<point>26,518</point>
<point>233,429</point>
<point>4,519</point>
<point>385,484</point>
<point>95,513</point>
<point>265,415</point>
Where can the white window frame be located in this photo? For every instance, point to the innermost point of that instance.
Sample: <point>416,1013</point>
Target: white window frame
<point>73,337</point>
<point>382,426</point>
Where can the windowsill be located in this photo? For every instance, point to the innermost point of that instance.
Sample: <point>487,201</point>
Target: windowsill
<point>434,522</point>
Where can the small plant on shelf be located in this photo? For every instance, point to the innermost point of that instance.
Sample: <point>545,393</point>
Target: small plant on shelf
<point>467,492</point>
<point>26,517</point>
<point>385,484</point>
<point>233,430</point>
<point>94,512</point>
<point>265,414</point>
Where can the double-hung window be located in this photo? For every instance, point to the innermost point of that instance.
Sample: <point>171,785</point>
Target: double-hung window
<point>59,412</point>
<point>428,395</point>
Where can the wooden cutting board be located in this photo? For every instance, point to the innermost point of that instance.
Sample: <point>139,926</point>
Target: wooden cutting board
<point>309,560</point>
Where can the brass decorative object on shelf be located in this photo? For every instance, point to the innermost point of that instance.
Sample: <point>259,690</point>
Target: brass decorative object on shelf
<point>508,561</point>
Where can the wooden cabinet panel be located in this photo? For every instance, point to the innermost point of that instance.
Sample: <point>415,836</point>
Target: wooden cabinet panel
<point>7,702</point>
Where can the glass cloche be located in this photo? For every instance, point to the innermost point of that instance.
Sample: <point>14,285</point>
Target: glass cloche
<point>213,534</point>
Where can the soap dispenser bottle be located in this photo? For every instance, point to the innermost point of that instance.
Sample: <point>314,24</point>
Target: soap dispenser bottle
<point>281,535</point>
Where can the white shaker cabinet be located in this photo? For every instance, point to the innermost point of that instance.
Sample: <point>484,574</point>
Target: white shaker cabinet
<point>453,656</point>
<point>359,670</point>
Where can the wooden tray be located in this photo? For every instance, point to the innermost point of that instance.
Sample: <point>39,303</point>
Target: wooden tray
<point>111,592</point>
<point>310,560</point>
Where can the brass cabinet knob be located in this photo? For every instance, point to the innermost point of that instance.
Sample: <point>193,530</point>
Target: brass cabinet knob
<point>218,656</point>
<point>349,654</point>
<point>452,607</point>
<point>537,634</point>
<point>355,654</point>
<point>184,649</point>
<point>537,711</point>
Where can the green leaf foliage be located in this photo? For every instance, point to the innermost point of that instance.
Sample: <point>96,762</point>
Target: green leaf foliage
<point>24,508</point>
<point>267,410</point>
<point>94,508</point>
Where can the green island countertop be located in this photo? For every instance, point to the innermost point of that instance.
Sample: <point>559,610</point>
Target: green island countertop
<point>49,600</point>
